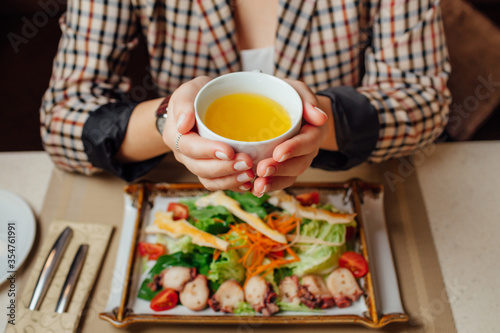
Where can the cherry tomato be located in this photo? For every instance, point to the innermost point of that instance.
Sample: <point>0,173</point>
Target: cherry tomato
<point>152,251</point>
<point>165,300</point>
<point>307,199</point>
<point>355,263</point>
<point>278,254</point>
<point>180,211</point>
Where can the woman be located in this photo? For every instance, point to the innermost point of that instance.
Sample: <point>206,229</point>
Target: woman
<point>372,75</point>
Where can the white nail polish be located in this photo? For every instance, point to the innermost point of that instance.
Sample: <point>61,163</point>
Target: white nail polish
<point>269,171</point>
<point>221,156</point>
<point>284,157</point>
<point>240,166</point>
<point>243,188</point>
<point>243,178</point>
<point>323,112</point>
<point>267,187</point>
<point>180,120</point>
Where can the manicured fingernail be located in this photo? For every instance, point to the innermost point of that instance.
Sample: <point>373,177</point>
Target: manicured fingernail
<point>270,171</point>
<point>323,112</point>
<point>284,157</point>
<point>180,120</point>
<point>221,156</point>
<point>267,187</point>
<point>244,188</point>
<point>240,166</point>
<point>243,177</point>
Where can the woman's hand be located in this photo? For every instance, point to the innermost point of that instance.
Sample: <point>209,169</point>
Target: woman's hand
<point>292,157</point>
<point>215,163</point>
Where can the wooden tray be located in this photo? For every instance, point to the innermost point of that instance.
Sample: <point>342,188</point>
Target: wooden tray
<point>350,196</point>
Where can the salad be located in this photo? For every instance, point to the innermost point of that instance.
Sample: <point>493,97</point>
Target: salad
<point>240,254</point>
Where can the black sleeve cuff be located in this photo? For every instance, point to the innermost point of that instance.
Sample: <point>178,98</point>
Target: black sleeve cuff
<point>102,136</point>
<point>356,129</point>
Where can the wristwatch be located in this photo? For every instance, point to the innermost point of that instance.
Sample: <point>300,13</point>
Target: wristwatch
<point>161,115</point>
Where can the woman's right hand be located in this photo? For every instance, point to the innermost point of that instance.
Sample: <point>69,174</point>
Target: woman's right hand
<point>215,163</point>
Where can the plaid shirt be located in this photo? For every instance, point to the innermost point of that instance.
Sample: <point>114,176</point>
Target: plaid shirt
<point>392,52</point>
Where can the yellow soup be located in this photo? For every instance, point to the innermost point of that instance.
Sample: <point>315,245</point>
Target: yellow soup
<point>247,117</point>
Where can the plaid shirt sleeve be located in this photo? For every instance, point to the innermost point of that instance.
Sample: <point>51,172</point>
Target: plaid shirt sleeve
<point>87,75</point>
<point>407,68</point>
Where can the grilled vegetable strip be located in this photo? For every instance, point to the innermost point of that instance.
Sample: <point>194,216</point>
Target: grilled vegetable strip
<point>227,297</point>
<point>164,224</point>
<point>314,293</point>
<point>220,198</point>
<point>195,294</point>
<point>311,240</point>
<point>343,287</point>
<point>290,204</point>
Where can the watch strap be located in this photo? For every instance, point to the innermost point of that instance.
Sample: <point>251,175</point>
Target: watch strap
<point>161,114</point>
<point>162,109</point>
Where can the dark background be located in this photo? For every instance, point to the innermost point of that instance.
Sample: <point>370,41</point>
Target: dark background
<point>491,129</point>
<point>24,75</point>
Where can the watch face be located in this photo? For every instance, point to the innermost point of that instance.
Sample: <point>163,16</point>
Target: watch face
<point>160,122</point>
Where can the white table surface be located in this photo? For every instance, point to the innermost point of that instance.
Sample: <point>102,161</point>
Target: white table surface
<point>460,184</point>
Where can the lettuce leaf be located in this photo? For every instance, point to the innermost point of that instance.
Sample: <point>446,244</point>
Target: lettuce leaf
<point>285,306</point>
<point>328,206</point>
<point>212,226</point>
<point>316,258</point>
<point>323,230</point>
<point>244,308</point>
<point>225,268</point>
<point>219,212</point>
<point>200,258</point>
<point>190,203</point>
<point>253,204</point>
<point>280,273</point>
<point>181,244</point>
<point>213,219</point>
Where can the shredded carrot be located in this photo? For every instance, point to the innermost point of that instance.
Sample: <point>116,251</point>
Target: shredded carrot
<point>282,223</point>
<point>260,247</point>
<point>216,254</point>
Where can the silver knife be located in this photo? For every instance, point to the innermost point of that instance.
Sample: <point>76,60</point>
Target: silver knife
<point>71,279</point>
<point>49,268</point>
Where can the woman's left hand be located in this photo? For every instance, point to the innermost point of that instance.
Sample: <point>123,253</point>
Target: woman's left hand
<point>292,157</point>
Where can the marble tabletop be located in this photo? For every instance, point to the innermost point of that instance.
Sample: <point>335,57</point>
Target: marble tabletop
<point>460,184</point>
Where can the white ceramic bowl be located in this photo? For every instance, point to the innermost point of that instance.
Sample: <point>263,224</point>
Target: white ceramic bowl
<point>250,82</point>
